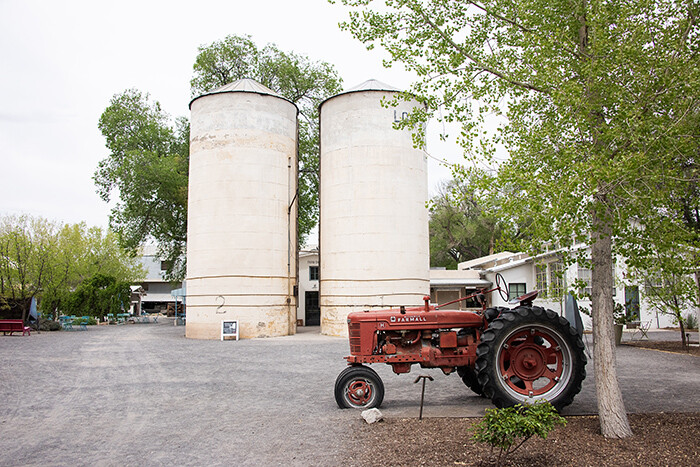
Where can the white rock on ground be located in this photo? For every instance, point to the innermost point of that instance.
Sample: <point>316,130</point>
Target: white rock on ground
<point>372,415</point>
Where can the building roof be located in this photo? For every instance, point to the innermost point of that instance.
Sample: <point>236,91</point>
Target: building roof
<point>485,261</point>
<point>451,277</point>
<point>372,85</point>
<point>369,85</point>
<point>244,85</point>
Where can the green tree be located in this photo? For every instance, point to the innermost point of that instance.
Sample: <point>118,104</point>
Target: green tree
<point>26,245</point>
<point>464,226</point>
<point>597,95</point>
<point>295,77</point>
<point>148,167</point>
<point>669,286</point>
<point>82,252</point>
<point>45,260</point>
<point>99,296</point>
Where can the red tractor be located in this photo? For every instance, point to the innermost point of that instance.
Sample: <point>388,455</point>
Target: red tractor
<point>511,356</point>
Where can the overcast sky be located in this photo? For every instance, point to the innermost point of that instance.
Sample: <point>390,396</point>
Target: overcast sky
<point>62,61</point>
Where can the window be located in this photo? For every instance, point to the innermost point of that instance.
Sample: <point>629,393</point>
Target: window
<point>515,290</point>
<point>584,276</point>
<point>313,273</point>
<point>556,279</point>
<point>541,277</point>
<point>164,265</point>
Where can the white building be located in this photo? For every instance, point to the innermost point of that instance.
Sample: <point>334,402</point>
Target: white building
<point>308,311</point>
<point>155,289</point>
<point>547,274</point>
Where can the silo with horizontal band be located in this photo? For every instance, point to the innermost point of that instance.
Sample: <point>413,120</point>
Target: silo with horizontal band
<point>373,232</point>
<point>241,227</point>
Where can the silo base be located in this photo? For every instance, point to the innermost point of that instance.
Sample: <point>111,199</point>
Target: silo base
<point>334,320</point>
<point>269,322</point>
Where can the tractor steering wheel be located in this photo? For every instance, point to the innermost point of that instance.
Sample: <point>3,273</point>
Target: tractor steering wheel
<point>502,287</point>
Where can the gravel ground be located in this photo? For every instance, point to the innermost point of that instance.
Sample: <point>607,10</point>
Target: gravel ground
<point>142,393</point>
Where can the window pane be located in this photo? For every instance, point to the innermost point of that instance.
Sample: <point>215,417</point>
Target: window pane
<point>556,278</point>
<point>584,275</point>
<point>541,276</point>
<point>515,290</point>
<point>313,273</point>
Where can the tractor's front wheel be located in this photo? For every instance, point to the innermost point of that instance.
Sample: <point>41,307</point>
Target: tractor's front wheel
<point>530,354</point>
<point>358,387</point>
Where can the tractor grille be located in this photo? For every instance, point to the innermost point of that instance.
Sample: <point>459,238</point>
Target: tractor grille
<point>354,333</point>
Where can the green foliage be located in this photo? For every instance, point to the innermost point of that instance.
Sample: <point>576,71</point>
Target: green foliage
<point>293,76</point>
<point>98,296</point>
<point>601,117</point>
<point>148,166</point>
<point>691,321</point>
<point>47,260</point>
<point>464,227</point>
<point>620,314</point>
<point>670,287</point>
<point>582,87</point>
<point>509,428</point>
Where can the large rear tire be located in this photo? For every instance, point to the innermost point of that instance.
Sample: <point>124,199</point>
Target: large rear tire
<point>358,387</point>
<point>530,354</point>
<point>470,379</point>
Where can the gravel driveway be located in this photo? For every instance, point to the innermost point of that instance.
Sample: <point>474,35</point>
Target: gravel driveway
<point>142,393</point>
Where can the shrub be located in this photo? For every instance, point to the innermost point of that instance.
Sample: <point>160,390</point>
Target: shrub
<point>512,426</point>
<point>47,325</point>
<point>691,322</point>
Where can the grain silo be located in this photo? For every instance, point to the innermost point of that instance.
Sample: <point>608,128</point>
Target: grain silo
<point>241,229</point>
<point>373,232</point>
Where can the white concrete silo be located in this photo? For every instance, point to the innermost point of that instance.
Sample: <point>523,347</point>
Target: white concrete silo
<point>373,232</point>
<point>241,229</point>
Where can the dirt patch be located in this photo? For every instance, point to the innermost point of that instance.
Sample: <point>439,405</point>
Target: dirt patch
<point>659,439</point>
<point>666,346</point>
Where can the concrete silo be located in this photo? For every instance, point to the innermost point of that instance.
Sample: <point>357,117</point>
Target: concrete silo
<point>373,232</point>
<point>241,229</point>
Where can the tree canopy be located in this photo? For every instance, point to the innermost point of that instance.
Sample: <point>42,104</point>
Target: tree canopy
<point>148,161</point>
<point>599,97</point>
<point>148,165</point>
<point>99,296</point>
<point>46,260</point>
<point>464,226</point>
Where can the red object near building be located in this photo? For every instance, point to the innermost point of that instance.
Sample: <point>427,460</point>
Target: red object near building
<point>511,356</point>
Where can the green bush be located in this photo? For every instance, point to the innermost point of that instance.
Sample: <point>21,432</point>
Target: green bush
<point>508,428</point>
<point>691,322</point>
<point>47,325</point>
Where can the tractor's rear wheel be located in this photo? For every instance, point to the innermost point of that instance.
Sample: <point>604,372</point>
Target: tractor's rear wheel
<point>470,379</point>
<point>530,354</point>
<point>358,387</point>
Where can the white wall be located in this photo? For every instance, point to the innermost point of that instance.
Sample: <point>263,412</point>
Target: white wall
<point>524,271</point>
<point>306,260</point>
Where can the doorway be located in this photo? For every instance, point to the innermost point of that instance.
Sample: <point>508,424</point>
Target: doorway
<point>312,310</point>
<point>632,302</point>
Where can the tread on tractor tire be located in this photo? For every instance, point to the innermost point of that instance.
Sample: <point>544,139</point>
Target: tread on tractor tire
<point>530,354</point>
<point>358,387</point>
<point>470,379</point>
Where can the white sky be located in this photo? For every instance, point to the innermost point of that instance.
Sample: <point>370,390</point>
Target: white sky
<point>62,61</point>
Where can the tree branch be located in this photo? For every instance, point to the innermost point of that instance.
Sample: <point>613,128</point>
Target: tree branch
<point>476,61</point>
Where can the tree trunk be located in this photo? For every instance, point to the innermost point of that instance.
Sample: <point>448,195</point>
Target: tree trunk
<point>697,306</point>
<point>611,408</point>
<point>683,340</point>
